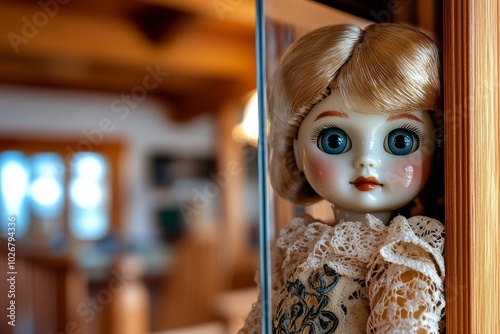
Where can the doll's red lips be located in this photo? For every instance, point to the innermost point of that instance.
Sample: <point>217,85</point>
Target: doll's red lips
<point>366,183</point>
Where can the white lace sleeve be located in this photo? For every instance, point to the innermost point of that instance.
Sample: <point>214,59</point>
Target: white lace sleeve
<point>405,279</point>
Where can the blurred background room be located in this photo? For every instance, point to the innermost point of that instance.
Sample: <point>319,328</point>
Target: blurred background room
<point>134,208</point>
<point>128,179</point>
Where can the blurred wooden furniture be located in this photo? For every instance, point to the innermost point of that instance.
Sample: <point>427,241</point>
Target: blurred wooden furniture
<point>234,306</point>
<point>49,292</point>
<point>197,276</point>
<point>208,328</point>
<point>129,309</point>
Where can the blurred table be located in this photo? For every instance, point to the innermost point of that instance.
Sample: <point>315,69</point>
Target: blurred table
<point>234,306</point>
<point>209,328</point>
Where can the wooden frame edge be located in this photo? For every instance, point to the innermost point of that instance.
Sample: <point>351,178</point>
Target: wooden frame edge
<point>471,99</point>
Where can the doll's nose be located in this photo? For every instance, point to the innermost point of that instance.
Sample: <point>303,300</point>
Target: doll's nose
<point>366,161</point>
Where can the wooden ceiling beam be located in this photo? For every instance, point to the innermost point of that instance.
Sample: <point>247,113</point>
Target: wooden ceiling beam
<point>202,62</point>
<point>194,50</point>
<point>240,12</point>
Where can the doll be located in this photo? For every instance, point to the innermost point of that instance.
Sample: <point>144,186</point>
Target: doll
<point>353,120</point>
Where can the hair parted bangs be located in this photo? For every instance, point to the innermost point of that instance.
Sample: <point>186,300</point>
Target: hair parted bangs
<point>386,68</point>
<point>392,69</point>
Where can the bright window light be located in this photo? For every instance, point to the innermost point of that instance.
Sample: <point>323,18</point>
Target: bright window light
<point>89,218</point>
<point>14,181</point>
<point>89,225</point>
<point>46,188</point>
<point>46,191</point>
<point>90,166</point>
<point>86,194</point>
<point>33,189</point>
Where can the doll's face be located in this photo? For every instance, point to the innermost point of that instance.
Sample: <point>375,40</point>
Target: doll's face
<point>365,162</point>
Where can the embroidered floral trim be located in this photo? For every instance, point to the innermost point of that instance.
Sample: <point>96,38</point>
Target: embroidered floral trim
<point>303,309</point>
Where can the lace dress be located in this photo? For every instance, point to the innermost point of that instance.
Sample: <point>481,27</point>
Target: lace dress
<point>357,277</point>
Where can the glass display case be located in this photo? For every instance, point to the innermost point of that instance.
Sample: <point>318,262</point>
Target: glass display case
<point>279,25</point>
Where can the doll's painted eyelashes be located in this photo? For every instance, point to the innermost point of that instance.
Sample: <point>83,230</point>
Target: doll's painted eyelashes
<point>333,141</point>
<point>403,141</point>
<point>416,130</point>
<point>317,130</point>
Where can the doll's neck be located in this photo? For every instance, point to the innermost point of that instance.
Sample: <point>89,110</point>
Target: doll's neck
<point>342,214</point>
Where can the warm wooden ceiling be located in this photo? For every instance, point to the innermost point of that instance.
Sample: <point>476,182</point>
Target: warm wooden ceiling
<point>207,50</point>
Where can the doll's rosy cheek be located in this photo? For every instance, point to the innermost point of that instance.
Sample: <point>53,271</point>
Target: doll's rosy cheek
<point>406,175</point>
<point>319,169</point>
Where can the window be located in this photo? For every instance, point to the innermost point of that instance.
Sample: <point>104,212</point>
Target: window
<point>46,191</point>
<point>88,196</point>
<point>52,189</point>
<point>14,181</point>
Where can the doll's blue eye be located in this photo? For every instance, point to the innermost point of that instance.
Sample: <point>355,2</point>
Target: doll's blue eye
<point>401,142</point>
<point>333,141</point>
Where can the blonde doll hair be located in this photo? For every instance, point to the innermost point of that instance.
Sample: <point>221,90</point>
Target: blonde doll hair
<point>386,68</point>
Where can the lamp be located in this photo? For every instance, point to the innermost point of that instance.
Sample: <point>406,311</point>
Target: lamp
<point>248,129</point>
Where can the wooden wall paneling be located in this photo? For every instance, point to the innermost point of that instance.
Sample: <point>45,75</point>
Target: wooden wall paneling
<point>230,159</point>
<point>471,100</point>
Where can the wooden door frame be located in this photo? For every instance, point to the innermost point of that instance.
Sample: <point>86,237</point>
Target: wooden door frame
<point>471,106</point>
